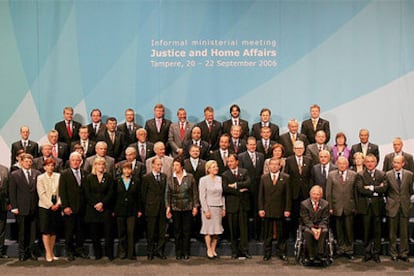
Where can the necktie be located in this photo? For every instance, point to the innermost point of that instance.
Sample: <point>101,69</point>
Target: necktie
<point>320,147</point>
<point>300,166</point>
<point>236,122</point>
<point>24,145</point>
<point>182,131</point>
<point>293,138</point>
<point>342,177</point>
<point>95,127</point>
<point>142,153</point>
<point>364,150</point>
<point>69,129</point>
<point>398,180</point>
<point>225,157</point>
<point>84,147</point>
<point>157,177</point>
<point>266,146</point>
<point>28,177</point>
<point>253,158</point>
<point>274,179</point>
<point>324,171</point>
<point>236,146</point>
<point>78,177</point>
<point>210,130</point>
<point>158,121</point>
<point>194,163</point>
<point>315,206</point>
<point>314,123</point>
<point>54,151</point>
<point>235,174</point>
<point>112,136</point>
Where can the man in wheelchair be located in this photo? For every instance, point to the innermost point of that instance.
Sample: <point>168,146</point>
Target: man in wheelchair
<point>314,214</point>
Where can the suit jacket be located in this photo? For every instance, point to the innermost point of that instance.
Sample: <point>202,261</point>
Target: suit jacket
<point>152,133</point>
<point>237,201</point>
<point>184,196</point>
<point>257,127</point>
<point>200,170</point>
<point>96,192</point>
<point>398,199</point>
<point>266,168</point>
<point>341,196</point>
<point>275,199</point>
<point>32,148</point>
<point>38,164</point>
<point>63,151</point>
<point>310,218</point>
<point>312,151</point>
<point>241,146</point>
<point>366,197</point>
<point>63,132</point>
<point>4,188</point>
<point>153,194</point>
<point>137,172</point>
<point>260,148</point>
<point>174,137</point>
<point>71,194</point>
<point>307,129</point>
<point>166,165</point>
<point>90,147</point>
<point>23,195</point>
<point>408,164</point>
<point>287,142</point>
<point>372,148</point>
<point>204,149</point>
<point>243,123</point>
<point>130,135</point>
<point>211,138</point>
<point>116,149</point>
<point>92,134</point>
<point>318,178</point>
<point>149,151</point>
<point>45,190</point>
<point>127,201</point>
<point>255,172</point>
<point>299,183</point>
<point>216,155</point>
<point>109,166</point>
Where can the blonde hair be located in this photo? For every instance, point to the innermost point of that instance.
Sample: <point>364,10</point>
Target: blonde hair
<point>97,161</point>
<point>209,164</point>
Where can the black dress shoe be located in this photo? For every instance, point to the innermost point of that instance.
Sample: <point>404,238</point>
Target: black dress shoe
<point>366,259</point>
<point>267,258</point>
<point>283,258</point>
<point>33,257</point>
<point>234,256</point>
<point>405,259</point>
<point>178,258</point>
<point>246,255</point>
<point>394,259</point>
<point>349,256</point>
<point>186,257</point>
<point>150,257</point>
<point>377,259</point>
<point>22,258</point>
<point>71,258</point>
<point>161,256</point>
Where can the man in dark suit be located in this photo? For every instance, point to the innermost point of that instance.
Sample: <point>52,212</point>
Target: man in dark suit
<point>59,149</point>
<point>100,149</point>
<point>399,184</point>
<point>397,144</point>
<point>24,201</point>
<point>299,169</point>
<point>236,189</point>
<point>96,126</point>
<point>4,207</point>
<point>129,127</point>
<point>315,123</point>
<point>145,149</point>
<point>138,168</point>
<point>264,145</point>
<point>287,139</point>
<point>312,150</point>
<point>222,153</point>
<point>87,144</point>
<point>153,194</point>
<point>196,140</point>
<point>321,170</point>
<point>314,213</point>
<point>265,122</point>
<point>364,146</point>
<point>179,133</point>
<point>68,129</point>
<point>71,185</point>
<point>236,120</point>
<point>237,144</point>
<point>114,139</point>
<point>274,207</point>
<point>370,185</point>
<point>46,150</point>
<point>158,127</point>
<point>29,146</point>
<point>340,193</point>
<point>210,129</point>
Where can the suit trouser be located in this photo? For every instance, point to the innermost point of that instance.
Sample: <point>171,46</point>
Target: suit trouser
<point>182,232</point>
<point>399,222</point>
<point>126,231</point>
<point>156,228</point>
<point>238,230</point>
<point>310,243</point>
<point>74,226</point>
<point>345,234</point>
<point>3,222</point>
<point>27,233</point>
<point>372,233</point>
<point>96,233</point>
<point>280,233</point>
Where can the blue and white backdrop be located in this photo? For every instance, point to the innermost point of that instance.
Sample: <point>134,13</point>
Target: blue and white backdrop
<point>354,58</point>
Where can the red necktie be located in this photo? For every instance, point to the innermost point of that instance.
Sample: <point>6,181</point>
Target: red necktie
<point>315,207</point>
<point>69,130</point>
<point>182,131</point>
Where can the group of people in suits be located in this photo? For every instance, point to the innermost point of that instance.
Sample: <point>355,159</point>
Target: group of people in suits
<point>264,183</point>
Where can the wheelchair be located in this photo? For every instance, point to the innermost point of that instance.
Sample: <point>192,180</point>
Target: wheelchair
<point>300,250</point>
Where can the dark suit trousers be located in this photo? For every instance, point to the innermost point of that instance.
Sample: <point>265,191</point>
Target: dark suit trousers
<point>182,232</point>
<point>345,234</point>
<point>280,234</point>
<point>372,233</point>
<point>156,229</point>
<point>126,230</point>
<point>399,222</point>
<point>311,244</point>
<point>238,229</point>
<point>96,233</point>
<point>74,226</point>
<point>3,222</point>
<point>27,233</point>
